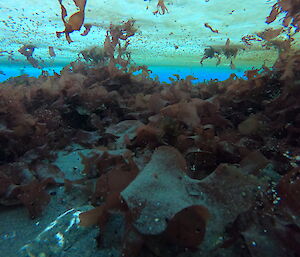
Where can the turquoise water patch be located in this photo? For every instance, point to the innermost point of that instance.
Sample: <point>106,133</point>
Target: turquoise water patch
<point>162,72</point>
<point>7,71</point>
<point>201,73</point>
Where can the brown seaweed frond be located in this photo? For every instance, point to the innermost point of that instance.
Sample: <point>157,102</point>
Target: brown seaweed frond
<point>115,49</point>
<point>210,27</point>
<point>27,51</point>
<point>246,39</point>
<point>75,22</point>
<point>269,34</point>
<point>291,9</point>
<point>229,50</point>
<point>161,8</point>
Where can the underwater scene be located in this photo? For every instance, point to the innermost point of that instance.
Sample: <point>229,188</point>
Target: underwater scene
<point>150,128</point>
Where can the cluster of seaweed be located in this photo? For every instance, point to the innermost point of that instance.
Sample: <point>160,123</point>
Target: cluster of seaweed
<point>161,8</point>
<point>27,51</point>
<point>232,145</point>
<point>228,50</point>
<point>115,49</point>
<point>75,21</point>
<point>291,25</point>
<point>290,8</point>
<point>94,55</point>
<point>209,168</point>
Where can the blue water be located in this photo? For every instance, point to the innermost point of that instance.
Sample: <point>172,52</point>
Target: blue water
<point>163,72</point>
<point>14,71</point>
<point>202,73</point>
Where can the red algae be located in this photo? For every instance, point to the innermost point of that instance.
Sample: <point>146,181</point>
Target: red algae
<point>192,169</point>
<point>289,190</point>
<point>228,50</point>
<point>27,51</point>
<point>161,8</point>
<point>75,21</point>
<point>270,34</point>
<point>87,29</point>
<point>212,30</point>
<point>115,51</point>
<point>215,141</point>
<point>291,8</point>
<point>51,51</point>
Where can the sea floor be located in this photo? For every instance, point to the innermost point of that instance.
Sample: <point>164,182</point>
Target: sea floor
<point>98,162</point>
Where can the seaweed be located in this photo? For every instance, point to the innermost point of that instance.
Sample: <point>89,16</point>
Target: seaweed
<point>229,51</point>
<point>51,51</point>
<point>75,21</point>
<point>269,34</point>
<point>161,8</point>
<point>87,29</point>
<point>112,45</point>
<point>246,39</point>
<point>206,167</point>
<point>27,51</point>
<point>34,196</point>
<point>187,227</point>
<point>18,186</point>
<point>95,55</point>
<point>212,30</point>
<point>291,10</point>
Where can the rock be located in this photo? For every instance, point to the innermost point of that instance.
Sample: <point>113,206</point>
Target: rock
<point>122,129</point>
<point>249,126</point>
<point>162,190</point>
<point>163,179</point>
